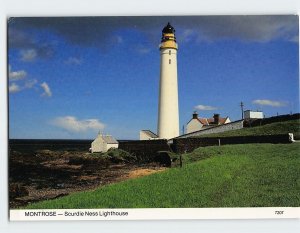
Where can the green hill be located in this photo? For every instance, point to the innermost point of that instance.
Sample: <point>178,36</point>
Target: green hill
<point>291,126</point>
<point>252,175</point>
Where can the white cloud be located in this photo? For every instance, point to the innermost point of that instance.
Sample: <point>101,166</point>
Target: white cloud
<point>73,61</point>
<point>46,88</point>
<point>271,103</point>
<point>142,49</point>
<point>72,124</point>
<point>28,55</point>
<point>16,75</point>
<point>30,83</point>
<point>13,88</point>
<point>186,35</point>
<point>24,83</point>
<point>205,107</point>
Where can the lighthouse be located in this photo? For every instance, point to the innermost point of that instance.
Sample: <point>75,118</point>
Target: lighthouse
<point>168,113</point>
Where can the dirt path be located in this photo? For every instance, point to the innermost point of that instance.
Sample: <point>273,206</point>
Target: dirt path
<point>139,172</point>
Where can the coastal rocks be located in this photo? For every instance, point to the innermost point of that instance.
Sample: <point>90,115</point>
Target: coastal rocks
<point>17,190</point>
<point>37,175</point>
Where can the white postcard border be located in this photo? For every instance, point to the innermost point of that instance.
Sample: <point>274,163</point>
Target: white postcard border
<point>154,214</point>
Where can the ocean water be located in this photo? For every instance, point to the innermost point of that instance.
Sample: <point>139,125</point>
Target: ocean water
<point>31,145</point>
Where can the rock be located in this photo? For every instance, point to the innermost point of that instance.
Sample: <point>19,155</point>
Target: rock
<point>163,158</point>
<point>16,190</point>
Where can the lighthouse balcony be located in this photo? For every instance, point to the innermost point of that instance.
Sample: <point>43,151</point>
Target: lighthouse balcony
<point>168,44</point>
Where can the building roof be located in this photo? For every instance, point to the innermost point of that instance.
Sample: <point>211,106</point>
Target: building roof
<point>221,120</point>
<point>150,133</point>
<point>210,121</point>
<point>168,29</point>
<point>109,139</point>
<point>203,121</point>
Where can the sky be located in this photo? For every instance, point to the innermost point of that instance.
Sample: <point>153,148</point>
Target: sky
<point>71,77</point>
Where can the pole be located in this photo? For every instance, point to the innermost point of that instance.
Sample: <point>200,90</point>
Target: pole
<point>180,160</point>
<point>242,108</point>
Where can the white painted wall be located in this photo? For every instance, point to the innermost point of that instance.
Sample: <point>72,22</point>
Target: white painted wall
<point>193,125</point>
<point>227,121</point>
<point>253,115</point>
<point>168,110</point>
<point>217,129</point>
<point>98,145</point>
<point>144,136</point>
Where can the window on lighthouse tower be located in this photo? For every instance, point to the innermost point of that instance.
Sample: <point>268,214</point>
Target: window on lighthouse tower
<point>169,61</point>
<point>169,52</point>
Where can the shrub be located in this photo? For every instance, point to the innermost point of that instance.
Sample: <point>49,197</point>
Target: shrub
<point>117,156</point>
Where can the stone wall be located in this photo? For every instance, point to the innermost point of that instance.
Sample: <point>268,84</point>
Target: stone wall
<point>217,129</point>
<point>144,150</point>
<point>182,145</point>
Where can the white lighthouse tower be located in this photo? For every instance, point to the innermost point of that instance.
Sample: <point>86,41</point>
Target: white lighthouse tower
<point>168,113</point>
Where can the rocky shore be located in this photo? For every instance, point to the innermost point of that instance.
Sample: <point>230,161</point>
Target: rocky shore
<point>48,174</point>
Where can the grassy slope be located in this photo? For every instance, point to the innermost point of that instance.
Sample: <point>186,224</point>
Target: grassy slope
<point>292,126</point>
<point>232,176</point>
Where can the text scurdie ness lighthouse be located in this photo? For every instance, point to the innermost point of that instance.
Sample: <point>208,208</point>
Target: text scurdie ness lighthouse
<point>168,112</point>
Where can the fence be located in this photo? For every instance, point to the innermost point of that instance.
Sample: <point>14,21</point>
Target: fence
<point>182,145</point>
<point>265,121</point>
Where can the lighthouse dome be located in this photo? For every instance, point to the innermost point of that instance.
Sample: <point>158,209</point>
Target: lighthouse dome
<point>168,29</point>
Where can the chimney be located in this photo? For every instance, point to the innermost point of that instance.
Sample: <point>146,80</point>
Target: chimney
<point>195,115</point>
<point>216,118</point>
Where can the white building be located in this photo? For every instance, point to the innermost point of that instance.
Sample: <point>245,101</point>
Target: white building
<point>147,135</point>
<point>168,111</point>
<point>103,143</point>
<point>197,123</point>
<point>248,114</point>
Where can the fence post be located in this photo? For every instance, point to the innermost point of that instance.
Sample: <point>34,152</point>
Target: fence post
<point>219,141</point>
<point>180,160</point>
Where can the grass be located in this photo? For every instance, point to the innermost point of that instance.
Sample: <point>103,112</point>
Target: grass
<point>292,126</point>
<point>252,175</point>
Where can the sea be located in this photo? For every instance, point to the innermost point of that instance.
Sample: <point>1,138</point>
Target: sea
<point>30,145</point>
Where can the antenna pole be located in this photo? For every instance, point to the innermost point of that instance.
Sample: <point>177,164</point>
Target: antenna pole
<point>242,108</point>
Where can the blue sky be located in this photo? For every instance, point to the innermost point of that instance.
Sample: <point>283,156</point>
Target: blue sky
<point>71,77</point>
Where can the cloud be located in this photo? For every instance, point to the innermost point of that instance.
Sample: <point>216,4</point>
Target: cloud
<point>73,61</point>
<point>102,32</point>
<point>16,75</point>
<point>247,28</point>
<point>142,49</point>
<point>23,83</point>
<point>28,55</point>
<point>186,35</point>
<point>205,107</point>
<point>47,92</point>
<point>72,124</point>
<point>30,48</point>
<point>271,103</point>
<point>13,88</point>
<point>18,38</point>
<point>30,83</point>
